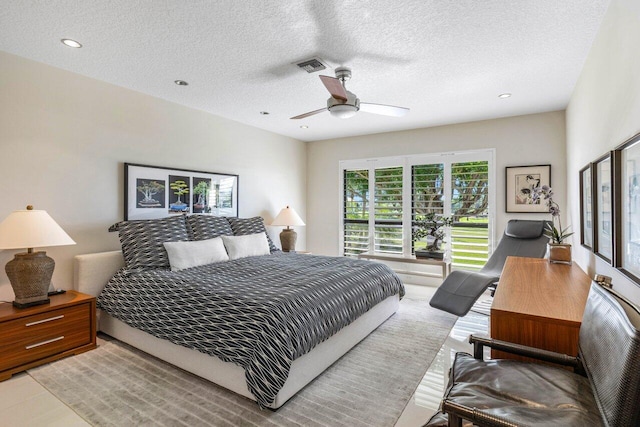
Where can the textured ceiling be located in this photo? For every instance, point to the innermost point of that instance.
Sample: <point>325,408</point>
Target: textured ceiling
<point>445,60</point>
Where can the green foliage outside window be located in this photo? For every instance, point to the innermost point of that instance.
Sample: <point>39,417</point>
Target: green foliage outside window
<point>469,200</point>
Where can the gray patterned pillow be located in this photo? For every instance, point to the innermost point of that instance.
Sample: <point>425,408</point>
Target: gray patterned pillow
<point>243,226</point>
<point>204,227</point>
<point>142,240</point>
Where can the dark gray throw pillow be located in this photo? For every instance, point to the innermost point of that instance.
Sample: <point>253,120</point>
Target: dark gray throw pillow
<point>142,240</point>
<point>244,226</point>
<point>204,227</point>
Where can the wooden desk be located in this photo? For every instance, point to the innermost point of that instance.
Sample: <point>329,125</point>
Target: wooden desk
<point>539,304</point>
<point>444,264</point>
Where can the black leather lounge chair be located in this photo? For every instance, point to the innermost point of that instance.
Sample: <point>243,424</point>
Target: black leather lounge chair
<point>461,289</point>
<point>603,389</point>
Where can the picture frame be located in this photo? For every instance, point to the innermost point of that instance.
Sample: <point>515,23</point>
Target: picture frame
<point>519,184</point>
<point>603,242</point>
<point>627,207</point>
<point>156,192</point>
<point>586,206</point>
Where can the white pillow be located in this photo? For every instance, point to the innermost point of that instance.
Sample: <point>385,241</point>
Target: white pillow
<point>194,253</point>
<point>247,245</point>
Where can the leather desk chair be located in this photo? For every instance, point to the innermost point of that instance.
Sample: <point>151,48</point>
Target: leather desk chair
<point>603,390</point>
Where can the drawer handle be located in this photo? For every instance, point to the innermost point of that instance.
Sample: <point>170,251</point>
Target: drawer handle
<point>29,347</point>
<point>45,320</point>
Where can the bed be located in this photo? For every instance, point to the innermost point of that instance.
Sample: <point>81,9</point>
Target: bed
<point>304,283</point>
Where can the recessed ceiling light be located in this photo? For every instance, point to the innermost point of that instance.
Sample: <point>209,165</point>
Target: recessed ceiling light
<point>264,113</point>
<point>504,95</point>
<point>304,127</point>
<point>181,83</point>
<point>71,43</point>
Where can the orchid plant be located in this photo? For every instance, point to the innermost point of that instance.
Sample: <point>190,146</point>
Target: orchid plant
<point>556,234</point>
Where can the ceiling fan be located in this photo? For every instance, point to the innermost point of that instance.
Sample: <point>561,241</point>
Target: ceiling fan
<point>344,104</point>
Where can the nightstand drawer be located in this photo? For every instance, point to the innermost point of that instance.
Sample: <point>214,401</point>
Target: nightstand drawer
<point>34,337</point>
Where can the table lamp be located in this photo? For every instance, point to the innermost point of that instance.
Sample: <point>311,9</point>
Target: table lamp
<point>30,272</point>
<point>288,236</point>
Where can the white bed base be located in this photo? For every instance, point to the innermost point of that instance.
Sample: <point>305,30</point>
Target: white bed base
<point>93,271</point>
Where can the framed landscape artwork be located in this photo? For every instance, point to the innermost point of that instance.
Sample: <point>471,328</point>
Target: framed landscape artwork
<point>628,207</point>
<point>520,182</point>
<point>586,207</point>
<point>156,192</point>
<point>603,244</point>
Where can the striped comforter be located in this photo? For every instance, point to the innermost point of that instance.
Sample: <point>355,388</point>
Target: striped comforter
<point>260,312</point>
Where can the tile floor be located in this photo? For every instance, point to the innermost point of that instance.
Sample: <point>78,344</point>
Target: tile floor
<point>426,399</point>
<point>25,403</point>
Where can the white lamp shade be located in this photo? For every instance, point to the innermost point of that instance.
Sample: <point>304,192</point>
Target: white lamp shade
<point>288,217</point>
<point>31,229</point>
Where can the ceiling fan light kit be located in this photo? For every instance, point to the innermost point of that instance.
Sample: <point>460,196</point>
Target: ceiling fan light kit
<point>344,104</point>
<point>343,109</point>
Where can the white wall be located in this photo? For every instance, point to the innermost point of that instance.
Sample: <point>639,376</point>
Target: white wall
<point>64,139</point>
<point>604,111</point>
<point>523,140</point>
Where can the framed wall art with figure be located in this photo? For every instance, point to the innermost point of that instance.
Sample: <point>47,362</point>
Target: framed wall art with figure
<point>520,183</point>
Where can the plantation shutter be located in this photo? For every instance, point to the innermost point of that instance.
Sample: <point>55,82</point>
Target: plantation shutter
<point>356,212</point>
<point>388,210</point>
<point>427,191</point>
<point>470,213</point>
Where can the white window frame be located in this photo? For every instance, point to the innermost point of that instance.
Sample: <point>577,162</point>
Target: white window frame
<point>447,158</point>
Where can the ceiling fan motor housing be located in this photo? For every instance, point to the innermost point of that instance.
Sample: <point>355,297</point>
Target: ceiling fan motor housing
<point>343,109</point>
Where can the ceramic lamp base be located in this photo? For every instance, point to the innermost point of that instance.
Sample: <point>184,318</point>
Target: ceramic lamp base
<point>288,239</point>
<point>30,276</point>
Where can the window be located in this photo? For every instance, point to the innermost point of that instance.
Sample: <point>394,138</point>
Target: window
<point>383,197</point>
<point>356,212</point>
<point>470,212</point>
<point>427,189</point>
<point>387,222</point>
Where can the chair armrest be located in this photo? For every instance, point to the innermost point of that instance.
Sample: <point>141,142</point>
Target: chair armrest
<point>522,350</point>
<point>457,412</point>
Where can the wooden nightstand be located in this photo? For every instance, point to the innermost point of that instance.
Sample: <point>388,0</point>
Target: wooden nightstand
<point>36,335</point>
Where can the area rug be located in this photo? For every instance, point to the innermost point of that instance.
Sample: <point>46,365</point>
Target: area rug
<point>117,385</point>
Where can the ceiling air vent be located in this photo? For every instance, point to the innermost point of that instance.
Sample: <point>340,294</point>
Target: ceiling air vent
<point>311,65</point>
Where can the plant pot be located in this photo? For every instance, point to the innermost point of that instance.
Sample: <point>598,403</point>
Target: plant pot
<point>559,253</point>
<point>423,253</point>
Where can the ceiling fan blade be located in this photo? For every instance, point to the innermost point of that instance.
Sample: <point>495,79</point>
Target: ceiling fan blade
<point>310,113</point>
<point>334,87</point>
<point>385,110</point>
